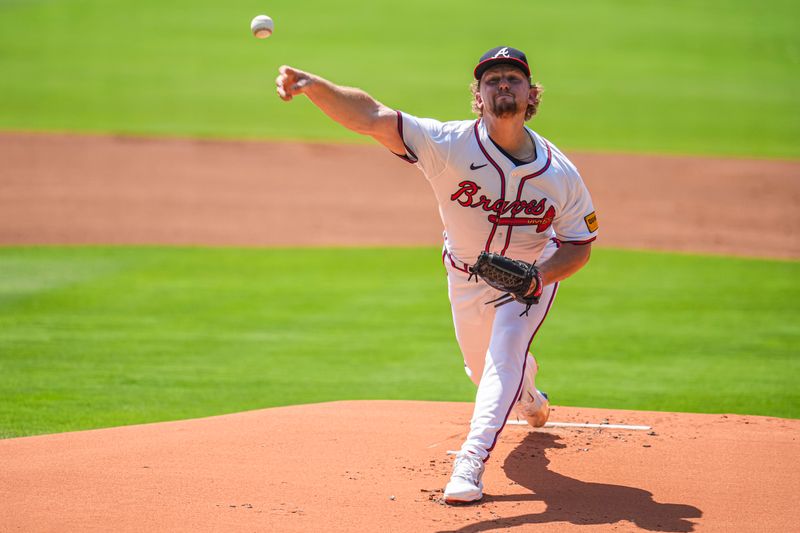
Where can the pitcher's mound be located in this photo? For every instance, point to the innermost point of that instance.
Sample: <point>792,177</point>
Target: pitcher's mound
<point>381,465</point>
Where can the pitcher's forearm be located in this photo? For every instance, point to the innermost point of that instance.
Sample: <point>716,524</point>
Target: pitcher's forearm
<point>565,262</point>
<point>352,108</point>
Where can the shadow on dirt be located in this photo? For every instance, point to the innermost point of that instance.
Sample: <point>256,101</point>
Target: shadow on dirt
<point>578,502</point>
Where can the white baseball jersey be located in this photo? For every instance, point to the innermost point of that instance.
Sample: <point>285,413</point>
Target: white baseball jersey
<point>488,203</point>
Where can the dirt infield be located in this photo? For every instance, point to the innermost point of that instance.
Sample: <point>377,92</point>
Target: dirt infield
<point>87,189</point>
<point>380,466</point>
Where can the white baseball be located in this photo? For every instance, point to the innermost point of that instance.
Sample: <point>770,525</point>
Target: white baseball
<point>262,26</point>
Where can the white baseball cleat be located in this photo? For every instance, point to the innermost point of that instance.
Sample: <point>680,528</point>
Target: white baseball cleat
<point>533,404</point>
<point>534,407</point>
<point>465,484</point>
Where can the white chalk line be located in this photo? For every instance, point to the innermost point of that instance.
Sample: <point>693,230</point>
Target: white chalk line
<point>582,425</point>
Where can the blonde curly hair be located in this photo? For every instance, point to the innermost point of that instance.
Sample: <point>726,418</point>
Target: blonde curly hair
<point>475,88</point>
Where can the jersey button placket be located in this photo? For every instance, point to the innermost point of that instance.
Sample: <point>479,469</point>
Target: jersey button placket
<point>500,236</point>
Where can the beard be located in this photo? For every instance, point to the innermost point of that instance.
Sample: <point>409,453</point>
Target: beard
<point>505,107</point>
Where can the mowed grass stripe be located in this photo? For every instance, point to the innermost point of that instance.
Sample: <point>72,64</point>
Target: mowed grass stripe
<point>105,336</point>
<point>716,77</point>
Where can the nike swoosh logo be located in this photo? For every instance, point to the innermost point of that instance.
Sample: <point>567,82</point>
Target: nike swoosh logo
<point>473,166</point>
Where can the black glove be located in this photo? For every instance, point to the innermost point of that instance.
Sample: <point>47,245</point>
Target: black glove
<point>520,281</point>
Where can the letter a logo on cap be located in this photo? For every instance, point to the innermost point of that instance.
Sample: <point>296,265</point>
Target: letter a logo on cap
<point>502,55</point>
<point>503,52</point>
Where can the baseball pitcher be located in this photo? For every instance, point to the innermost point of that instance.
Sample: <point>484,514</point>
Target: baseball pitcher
<point>517,220</point>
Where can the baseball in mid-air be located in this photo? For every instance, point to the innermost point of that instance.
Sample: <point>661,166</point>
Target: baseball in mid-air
<point>262,26</point>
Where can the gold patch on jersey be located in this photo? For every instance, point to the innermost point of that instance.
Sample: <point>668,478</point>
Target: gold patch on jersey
<point>591,221</point>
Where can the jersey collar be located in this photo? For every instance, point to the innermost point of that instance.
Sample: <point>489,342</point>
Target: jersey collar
<point>536,166</point>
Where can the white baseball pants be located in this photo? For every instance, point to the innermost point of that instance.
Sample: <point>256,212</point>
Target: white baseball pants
<point>495,344</point>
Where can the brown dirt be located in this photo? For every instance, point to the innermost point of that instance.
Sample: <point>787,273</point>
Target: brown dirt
<point>381,466</point>
<point>86,189</point>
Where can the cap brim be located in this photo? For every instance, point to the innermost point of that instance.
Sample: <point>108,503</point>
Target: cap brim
<point>492,61</point>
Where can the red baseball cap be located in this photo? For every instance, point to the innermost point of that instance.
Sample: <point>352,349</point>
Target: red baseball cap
<point>502,55</point>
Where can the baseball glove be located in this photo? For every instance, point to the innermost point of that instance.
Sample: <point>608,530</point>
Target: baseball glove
<point>520,281</point>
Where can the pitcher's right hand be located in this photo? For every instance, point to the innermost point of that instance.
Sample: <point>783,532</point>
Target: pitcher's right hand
<point>291,82</point>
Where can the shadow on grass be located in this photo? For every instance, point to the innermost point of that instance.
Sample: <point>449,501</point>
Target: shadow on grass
<point>578,502</point>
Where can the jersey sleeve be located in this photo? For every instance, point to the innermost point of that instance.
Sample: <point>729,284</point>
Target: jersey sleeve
<point>426,141</point>
<point>577,221</point>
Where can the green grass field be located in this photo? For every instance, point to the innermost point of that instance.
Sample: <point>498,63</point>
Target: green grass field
<point>717,77</point>
<point>104,336</point>
<point>97,336</point>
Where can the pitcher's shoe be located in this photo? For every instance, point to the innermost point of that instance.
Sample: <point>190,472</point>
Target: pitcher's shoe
<point>465,484</point>
<point>532,404</point>
<point>534,407</point>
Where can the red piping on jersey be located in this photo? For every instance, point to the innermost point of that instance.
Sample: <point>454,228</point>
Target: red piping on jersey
<point>587,241</point>
<point>464,268</point>
<point>404,157</point>
<point>519,193</point>
<point>522,379</point>
<point>502,181</point>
